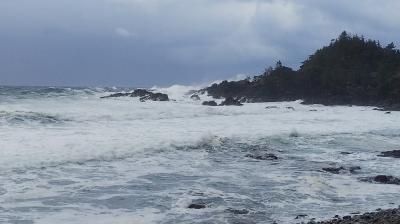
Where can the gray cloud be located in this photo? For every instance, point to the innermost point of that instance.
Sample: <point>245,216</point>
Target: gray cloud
<point>146,42</point>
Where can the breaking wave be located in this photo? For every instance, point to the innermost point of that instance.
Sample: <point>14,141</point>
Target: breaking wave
<point>29,118</point>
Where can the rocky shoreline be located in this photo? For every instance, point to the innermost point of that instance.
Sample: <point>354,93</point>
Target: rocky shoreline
<point>387,216</point>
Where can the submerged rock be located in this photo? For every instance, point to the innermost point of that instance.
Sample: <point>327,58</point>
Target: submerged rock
<point>334,170</point>
<point>195,97</point>
<point>394,154</point>
<point>210,103</point>
<point>382,179</point>
<point>271,107</point>
<point>267,156</point>
<point>238,211</point>
<point>197,206</point>
<point>230,101</point>
<point>337,170</point>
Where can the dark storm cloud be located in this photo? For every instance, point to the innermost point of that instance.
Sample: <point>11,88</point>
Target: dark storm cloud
<point>145,42</point>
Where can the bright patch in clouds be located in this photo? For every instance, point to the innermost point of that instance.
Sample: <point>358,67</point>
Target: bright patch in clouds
<point>122,32</point>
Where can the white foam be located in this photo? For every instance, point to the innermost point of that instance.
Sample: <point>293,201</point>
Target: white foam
<point>120,127</point>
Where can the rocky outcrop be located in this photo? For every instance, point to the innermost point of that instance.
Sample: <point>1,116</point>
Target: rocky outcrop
<point>230,101</point>
<point>390,216</point>
<point>210,103</point>
<point>143,94</point>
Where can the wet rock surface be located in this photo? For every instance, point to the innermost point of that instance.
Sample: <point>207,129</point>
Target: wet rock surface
<point>197,206</point>
<point>334,170</point>
<point>382,179</point>
<point>266,156</point>
<point>210,103</point>
<point>390,216</point>
<point>230,101</point>
<point>338,170</point>
<point>144,95</point>
<point>394,154</point>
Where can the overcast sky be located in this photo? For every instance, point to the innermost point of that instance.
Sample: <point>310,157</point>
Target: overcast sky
<point>161,42</point>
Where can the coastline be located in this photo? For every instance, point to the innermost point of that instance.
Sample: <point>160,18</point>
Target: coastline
<point>380,216</point>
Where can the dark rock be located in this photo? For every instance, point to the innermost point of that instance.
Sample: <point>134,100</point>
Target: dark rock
<point>267,156</point>
<point>333,170</point>
<point>388,112</point>
<point>394,154</point>
<point>386,179</point>
<point>197,206</point>
<point>290,108</point>
<point>301,216</point>
<point>195,97</point>
<point>230,101</point>
<point>345,153</point>
<point>155,97</point>
<point>210,103</point>
<point>238,211</point>
<point>143,94</point>
<point>353,169</point>
<point>382,179</point>
<point>390,216</point>
<point>147,95</point>
<point>116,95</point>
<point>271,107</point>
<point>313,110</point>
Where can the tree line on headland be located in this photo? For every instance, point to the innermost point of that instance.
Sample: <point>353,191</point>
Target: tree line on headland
<point>352,70</point>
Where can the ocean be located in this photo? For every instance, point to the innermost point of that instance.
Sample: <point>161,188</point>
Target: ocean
<point>67,156</point>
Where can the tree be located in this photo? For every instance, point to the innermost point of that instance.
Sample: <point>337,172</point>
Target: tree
<point>390,46</point>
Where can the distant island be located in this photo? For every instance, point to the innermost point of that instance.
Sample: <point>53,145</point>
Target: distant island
<point>352,70</point>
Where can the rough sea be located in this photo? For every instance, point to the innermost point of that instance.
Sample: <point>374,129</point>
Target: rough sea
<point>67,156</point>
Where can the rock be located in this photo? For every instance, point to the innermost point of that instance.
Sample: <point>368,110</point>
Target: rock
<point>238,211</point>
<point>271,107</point>
<point>301,216</point>
<point>290,108</point>
<point>333,170</point>
<point>390,216</point>
<point>143,94</point>
<point>388,112</point>
<point>230,101</point>
<point>116,95</point>
<point>394,154</point>
<point>267,156</point>
<point>197,206</point>
<point>210,103</point>
<point>353,169</point>
<point>313,110</point>
<point>382,179</point>
<point>346,153</point>
<point>155,97</point>
<point>386,179</point>
<point>379,109</point>
<point>195,97</point>
<point>147,95</point>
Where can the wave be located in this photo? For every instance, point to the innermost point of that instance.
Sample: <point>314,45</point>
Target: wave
<point>29,117</point>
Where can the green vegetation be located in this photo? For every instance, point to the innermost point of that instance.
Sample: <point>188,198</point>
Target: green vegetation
<point>351,70</point>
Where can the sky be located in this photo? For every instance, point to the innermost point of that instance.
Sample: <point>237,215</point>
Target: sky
<point>164,42</point>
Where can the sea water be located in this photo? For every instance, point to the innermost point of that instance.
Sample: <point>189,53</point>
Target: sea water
<point>67,156</point>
